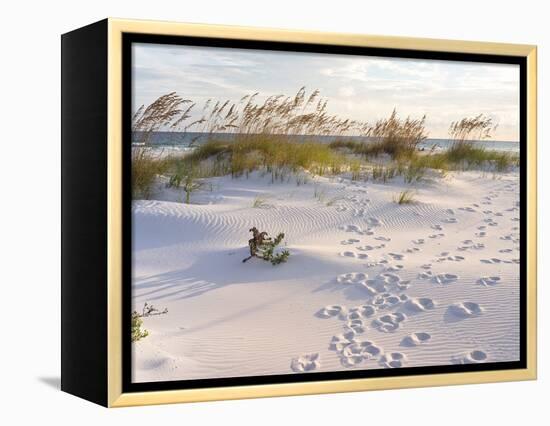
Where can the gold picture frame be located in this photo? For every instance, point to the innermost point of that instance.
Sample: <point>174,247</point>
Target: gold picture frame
<point>116,397</point>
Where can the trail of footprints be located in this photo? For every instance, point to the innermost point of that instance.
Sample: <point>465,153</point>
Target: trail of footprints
<point>385,309</point>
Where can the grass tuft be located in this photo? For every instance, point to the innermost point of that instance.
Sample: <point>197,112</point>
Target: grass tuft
<point>405,197</point>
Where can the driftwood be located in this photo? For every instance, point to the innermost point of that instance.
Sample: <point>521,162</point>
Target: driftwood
<point>257,240</point>
<point>262,247</point>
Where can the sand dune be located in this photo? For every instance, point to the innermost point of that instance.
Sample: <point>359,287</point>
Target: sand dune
<point>369,283</point>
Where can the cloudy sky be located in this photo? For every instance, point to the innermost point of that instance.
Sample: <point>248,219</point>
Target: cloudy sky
<point>357,87</point>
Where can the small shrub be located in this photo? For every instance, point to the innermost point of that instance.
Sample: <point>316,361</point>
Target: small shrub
<point>263,247</point>
<point>137,321</point>
<point>268,251</point>
<point>186,177</point>
<point>137,332</point>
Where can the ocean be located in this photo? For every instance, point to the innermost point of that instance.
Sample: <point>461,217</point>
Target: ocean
<point>184,141</point>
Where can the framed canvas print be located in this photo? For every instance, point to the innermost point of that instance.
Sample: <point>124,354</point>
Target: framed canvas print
<point>250,212</point>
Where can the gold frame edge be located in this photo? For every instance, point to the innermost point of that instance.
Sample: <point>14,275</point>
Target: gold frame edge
<point>116,398</point>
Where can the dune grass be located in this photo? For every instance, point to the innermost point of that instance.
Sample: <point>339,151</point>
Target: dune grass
<point>405,197</point>
<point>280,137</point>
<point>146,166</point>
<point>260,203</point>
<point>275,154</point>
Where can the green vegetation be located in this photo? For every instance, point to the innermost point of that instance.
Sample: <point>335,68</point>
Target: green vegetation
<point>405,197</point>
<point>137,320</point>
<point>185,176</point>
<point>279,137</point>
<point>137,332</point>
<point>263,247</point>
<point>267,251</point>
<point>145,169</point>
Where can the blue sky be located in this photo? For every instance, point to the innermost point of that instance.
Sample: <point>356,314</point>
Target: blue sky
<point>357,87</point>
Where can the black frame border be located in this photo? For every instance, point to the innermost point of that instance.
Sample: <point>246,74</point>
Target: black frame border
<point>129,38</point>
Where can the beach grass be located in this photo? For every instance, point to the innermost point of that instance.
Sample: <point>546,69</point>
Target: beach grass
<point>405,197</point>
<point>260,202</point>
<point>279,137</point>
<point>146,166</point>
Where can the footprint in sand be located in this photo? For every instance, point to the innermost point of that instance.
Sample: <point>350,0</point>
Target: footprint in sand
<point>419,241</point>
<point>403,285</point>
<point>435,236</point>
<point>355,325</point>
<point>340,341</point>
<point>389,300</point>
<point>450,211</point>
<point>380,286</point>
<point>358,212</point>
<point>373,221</point>
<point>467,209</point>
<point>481,234</point>
<point>356,229</point>
<point>389,278</point>
<point>352,278</point>
<point>425,275</point>
<point>465,309</point>
<point>363,311</point>
<point>330,311</point>
<point>393,268</point>
<point>352,254</point>
<point>420,304</point>
<point>349,241</point>
<point>445,278</point>
<point>470,245</point>
<point>341,209</point>
<point>373,287</point>
<point>474,357</point>
<point>491,261</point>
<point>369,248</point>
<point>357,351</point>
<point>380,238</point>
<point>450,220</point>
<point>489,281</point>
<point>416,339</point>
<point>389,322</point>
<point>450,258</point>
<point>306,363</point>
<point>437,227</point>
<point>393,360</point>
<point>396,256</point>
<point>412,250</point>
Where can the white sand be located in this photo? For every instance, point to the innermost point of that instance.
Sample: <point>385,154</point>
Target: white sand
<point>369,283</point>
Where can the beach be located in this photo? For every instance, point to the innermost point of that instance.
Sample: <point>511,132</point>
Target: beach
<point>369,283</point>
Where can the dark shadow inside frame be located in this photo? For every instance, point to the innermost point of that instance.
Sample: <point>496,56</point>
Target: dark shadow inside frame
<point>128,386</point>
